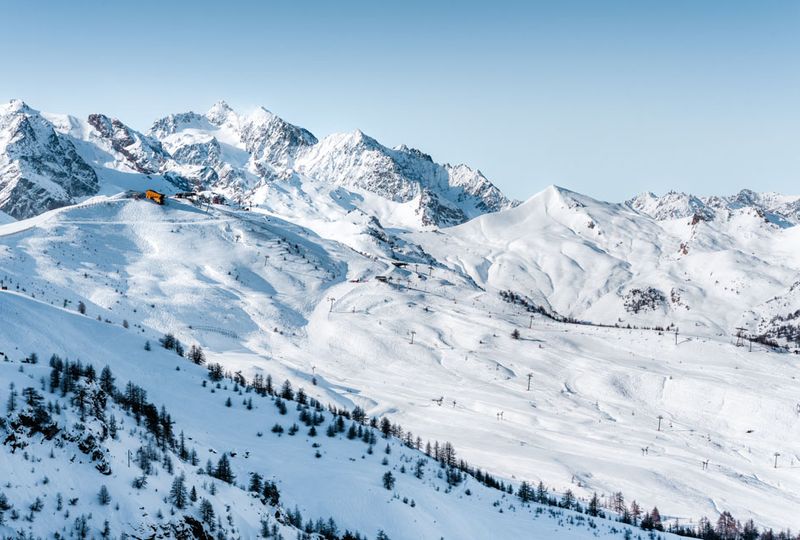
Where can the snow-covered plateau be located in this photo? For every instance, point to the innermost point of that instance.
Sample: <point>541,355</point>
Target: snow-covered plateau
<point>471,366</point>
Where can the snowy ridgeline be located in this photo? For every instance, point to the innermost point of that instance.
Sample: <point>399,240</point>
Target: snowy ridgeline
<point>85,456</point>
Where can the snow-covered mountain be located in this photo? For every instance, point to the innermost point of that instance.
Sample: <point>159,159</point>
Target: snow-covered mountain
<point>237,153</point>
<point>40,168</point>
<point>780,209</point>
<point>586,345</point>
<point>51,160</point>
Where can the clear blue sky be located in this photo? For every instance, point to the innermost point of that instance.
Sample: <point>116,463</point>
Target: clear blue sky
<point>609,98</point>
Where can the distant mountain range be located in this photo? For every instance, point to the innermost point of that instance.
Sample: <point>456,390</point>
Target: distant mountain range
<point>48,160</point>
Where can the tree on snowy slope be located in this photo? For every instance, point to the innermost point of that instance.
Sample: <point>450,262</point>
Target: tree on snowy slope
<point>168,341</point>
<point>223,470</point>
<point>388,480</point>
<point>177,493</point>
<point>196,355</point>
<point>525,492</point>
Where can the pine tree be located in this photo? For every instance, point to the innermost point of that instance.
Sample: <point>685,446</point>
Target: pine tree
<point>286,391</point>
<point>388,480</point>
<point>177,493</point>
<point>55,379</point>
<point>419,468</point>
<point>81,308</point>
<point>636,511</point>
<point>386,427</point>
<point>525,492</point>
<point>193,495</point>
<point>207,513</point>
<point>112,427</point>
<point>255,483</point>
<point>618,503</point>
<point>168,341</point>
<point>749,531</point>
<point>271,493</point>
<point>223,470</point>
<point>541,492</point>
<point>107,381</point>
<point>11,404</point>
<point>593,506</point>
<point>4,507</point>
<point>103,497</point>
<point>655,516</point>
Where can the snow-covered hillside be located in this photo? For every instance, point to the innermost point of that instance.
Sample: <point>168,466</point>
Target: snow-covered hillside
<point>613,265</point>
<point>71,435</point>
<point>264,295</point>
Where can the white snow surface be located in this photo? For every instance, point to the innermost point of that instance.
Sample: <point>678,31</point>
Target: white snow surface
<point>290,296</point>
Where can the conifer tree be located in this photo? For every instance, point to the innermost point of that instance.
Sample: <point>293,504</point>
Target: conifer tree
<point>255,483</point>
<point>388,480</point>
<point>207,513</point>
<point>103,497</point>
<point>223,470</point>
<point>107,381</point>
<point>177,493</point>
<point>593,509</point>
<point>525,492</point>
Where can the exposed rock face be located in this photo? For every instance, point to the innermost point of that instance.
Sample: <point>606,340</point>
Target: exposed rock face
<point>143,154</point>
<point>40,169</point>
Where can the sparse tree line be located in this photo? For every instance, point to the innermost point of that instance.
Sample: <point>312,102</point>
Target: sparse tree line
<point>362,427</point>
<point>528,305</point>
<point>89,393</point>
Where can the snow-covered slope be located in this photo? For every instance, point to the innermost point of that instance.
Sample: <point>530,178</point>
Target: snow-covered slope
<point>610,264</point>
<point>65,440</point>
<point>262,295</point>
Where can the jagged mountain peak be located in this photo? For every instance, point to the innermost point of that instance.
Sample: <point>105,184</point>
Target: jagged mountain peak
<point>779,209</point>
<point>221,114</point>
<point>40,168</point>
<point>15,106</point>
<point>235,153</point>
<point>672,205</point>
<point>141,153</point>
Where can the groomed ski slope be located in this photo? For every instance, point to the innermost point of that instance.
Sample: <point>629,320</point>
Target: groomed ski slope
<point>259,293</point>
